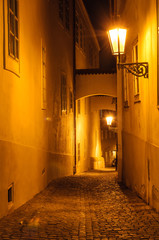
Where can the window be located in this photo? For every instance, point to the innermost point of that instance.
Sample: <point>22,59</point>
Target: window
<point>126,89</point>
<point>11,36</point>
<point>136,79</point>
<point>13,29</point>
<point>63,94</point>
<point>43,78</point>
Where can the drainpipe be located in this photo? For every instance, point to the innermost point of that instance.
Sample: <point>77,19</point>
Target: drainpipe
<point>74,83</point>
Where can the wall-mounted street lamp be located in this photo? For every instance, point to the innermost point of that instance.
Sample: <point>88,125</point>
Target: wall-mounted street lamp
<point>117,38</point>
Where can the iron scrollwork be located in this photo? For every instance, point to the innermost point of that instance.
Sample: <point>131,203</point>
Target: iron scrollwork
<point>139,69</point>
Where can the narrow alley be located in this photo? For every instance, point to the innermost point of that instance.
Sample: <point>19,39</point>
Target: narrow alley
<point>91,205</point>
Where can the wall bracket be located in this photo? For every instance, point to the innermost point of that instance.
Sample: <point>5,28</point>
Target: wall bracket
<point>139,69</point>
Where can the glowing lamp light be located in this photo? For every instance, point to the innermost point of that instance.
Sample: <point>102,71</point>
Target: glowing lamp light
<point>109,120</point>
<point>117,38</point>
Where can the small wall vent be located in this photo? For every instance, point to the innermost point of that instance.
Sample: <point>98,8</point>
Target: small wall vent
<point>10,193</point>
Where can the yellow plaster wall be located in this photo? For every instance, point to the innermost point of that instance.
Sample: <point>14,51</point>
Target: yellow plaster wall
<point>96,84</point>
<point>35,145</point>
<point>82,135</point>
<point>88,134</point>
<point>140,120</point>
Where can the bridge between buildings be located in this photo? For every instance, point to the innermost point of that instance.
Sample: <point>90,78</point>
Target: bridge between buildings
<point>94,82</point>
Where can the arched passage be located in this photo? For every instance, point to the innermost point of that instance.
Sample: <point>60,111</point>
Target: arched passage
<point>89,128</point>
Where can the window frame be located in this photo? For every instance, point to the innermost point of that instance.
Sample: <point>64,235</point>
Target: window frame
<point>13,29</point>
<point>10,63</point>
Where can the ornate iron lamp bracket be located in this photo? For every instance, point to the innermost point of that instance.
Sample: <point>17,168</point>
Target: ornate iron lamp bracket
<point>139,69</point>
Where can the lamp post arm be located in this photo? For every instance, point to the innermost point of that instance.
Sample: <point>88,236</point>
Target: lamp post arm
<point>139,69</point>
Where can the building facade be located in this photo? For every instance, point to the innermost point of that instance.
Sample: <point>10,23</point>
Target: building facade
<point>37,134</point>
<point>138,100</point>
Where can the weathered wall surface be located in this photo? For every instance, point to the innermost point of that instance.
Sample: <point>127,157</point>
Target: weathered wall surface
<point>134,165</point>
<point>35,145</point>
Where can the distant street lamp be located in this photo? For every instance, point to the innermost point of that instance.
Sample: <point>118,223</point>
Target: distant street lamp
<point>117,39</point>
<point>109,120</point>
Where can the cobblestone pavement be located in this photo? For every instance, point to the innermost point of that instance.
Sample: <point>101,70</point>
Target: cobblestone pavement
<point>87,206</point>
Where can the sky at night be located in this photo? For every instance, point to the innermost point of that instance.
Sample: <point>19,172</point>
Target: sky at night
<point>98,11</point>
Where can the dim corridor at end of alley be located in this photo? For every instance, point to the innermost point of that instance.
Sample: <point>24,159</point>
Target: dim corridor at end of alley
<point>92,205</point>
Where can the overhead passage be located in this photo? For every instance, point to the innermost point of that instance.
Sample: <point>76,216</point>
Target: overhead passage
<point>96,84</point>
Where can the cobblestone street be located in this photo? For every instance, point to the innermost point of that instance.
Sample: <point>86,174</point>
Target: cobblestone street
<point>87,206</point>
